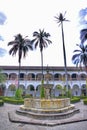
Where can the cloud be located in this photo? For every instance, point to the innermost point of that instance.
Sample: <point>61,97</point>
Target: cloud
<point>2,18</point>
<point>2,52</point>
<point>1,38</point>
<point>82,15</point>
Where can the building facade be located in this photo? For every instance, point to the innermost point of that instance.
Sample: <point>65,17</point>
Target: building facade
<point>30,79</point>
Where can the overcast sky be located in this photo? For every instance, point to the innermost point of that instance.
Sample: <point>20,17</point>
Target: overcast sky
<point>27,16</point>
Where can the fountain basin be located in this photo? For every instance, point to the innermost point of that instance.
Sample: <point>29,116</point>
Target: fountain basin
<point>47,105</point>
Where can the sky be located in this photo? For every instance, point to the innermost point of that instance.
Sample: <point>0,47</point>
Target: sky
<point>27,16</point>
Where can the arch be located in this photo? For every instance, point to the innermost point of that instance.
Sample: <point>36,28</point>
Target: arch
<point>58,90</point>
<point>83,89</point>
<point>58,86</point>
<point>30,87</point>
<point>75,86</point>
<point>31,76</point>
<point>83,76</point>
<point>39,76</point>
<point>12,76</point>
<point>83,86</point>
<point>74,76</point>
<point>2,89</point>
<point>69,87</point>
<point>31,90</point>
<point>21,86</point>
<point>57,76</point>
<point>22,76</point>
<point>3,86</point>
<point>68,77</point>
<point>12,87</point>
<point>75,90</point>
<point>48,76</point>
<point>11,90</point>
<point>38,87</point>
<point>6,75</point>
<point>38,90</point>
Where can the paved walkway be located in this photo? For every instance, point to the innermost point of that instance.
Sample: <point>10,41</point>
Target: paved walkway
<point>76,122</point>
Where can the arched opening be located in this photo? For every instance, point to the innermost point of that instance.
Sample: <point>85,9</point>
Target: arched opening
<point>12,76</point>
<point>30,90</point>
<point>39,76</point>
<point>38,91</point>
<point>74,76</point>
<point>2,89</point>
<point>22,76</point>
<point>57,76</point>
<point>83,89</point>
<point>83,76</point>
<point>75,90</point>
<point>31,76</point>
<point>58,90</point>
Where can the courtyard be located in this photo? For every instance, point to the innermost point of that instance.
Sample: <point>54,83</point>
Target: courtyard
<point>76,122</point>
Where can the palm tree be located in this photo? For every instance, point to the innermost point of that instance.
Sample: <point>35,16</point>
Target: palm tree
<point>80,58</point>
<point>83,35</point>
<point>22,46</point>
<point>60,19</point>
<point>41,40</point>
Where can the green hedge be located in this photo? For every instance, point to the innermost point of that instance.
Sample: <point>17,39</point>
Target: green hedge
<point>75,99</point>
<point>85,101</point>
<point>1,103</point>
<point>27,96</point>
<point>13,100</point>
<point>83,97</point>
<point>1,97</point>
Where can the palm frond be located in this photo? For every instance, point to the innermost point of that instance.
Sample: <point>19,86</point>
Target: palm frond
<point>60,18</point>
<point>83,35</point>
<point>77,51</point>
<point>75,56</point>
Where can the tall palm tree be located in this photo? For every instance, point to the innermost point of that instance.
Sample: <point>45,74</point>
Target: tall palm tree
<point>41,40</point>
<point>22,46</point>
<point>60,19</point>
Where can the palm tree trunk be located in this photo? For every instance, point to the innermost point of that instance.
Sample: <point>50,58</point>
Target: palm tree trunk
<point>42,64</point>
<point>42,94</point>
<point>19,74</point>
<point>64,53</point>
<point>86,79</point>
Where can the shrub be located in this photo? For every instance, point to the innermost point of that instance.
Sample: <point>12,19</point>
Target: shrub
<point>1,102</point>
<point>75,99</point>
<point>13,100</point>
<point>1,97</point>
<point>42,93</point>
<point>85,101</point>
<point>83,97</point>
<point>18,94</point>
<point>27,96</point>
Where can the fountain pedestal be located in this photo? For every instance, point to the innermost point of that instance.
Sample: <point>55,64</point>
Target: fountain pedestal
<point>48,90</point>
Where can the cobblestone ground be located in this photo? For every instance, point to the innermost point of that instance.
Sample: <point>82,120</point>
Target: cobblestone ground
<point>5,124</point>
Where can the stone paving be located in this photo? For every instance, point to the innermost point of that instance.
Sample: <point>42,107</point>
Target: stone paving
<point>76,122</point>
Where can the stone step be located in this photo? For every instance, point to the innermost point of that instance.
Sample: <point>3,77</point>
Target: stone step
<point>48,116</point>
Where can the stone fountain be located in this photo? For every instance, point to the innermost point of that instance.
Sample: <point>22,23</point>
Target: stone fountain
<point>47,108</point>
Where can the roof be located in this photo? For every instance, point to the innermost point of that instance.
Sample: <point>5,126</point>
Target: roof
<point>50,68</point>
